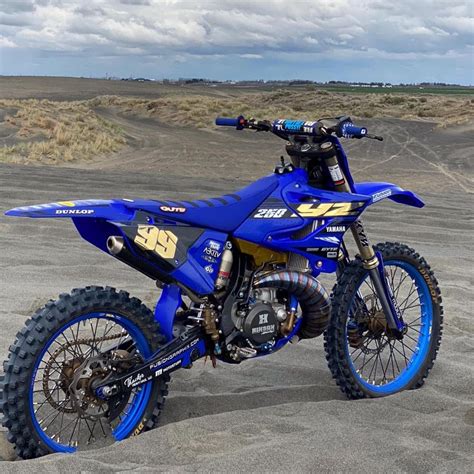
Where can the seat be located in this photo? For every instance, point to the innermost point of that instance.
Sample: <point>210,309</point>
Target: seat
<point>224,213</point>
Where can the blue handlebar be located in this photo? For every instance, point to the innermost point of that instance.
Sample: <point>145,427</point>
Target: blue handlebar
<point>238,122</point>
<point>349,130</point>
<point>227,122</point>
<point>283,128</point>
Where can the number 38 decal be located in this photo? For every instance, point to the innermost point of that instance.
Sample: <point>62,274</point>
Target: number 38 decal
<point>162,242</point>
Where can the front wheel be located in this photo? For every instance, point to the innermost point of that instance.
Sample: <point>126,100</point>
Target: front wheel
<point>364,357</point>
<point>46,393</point>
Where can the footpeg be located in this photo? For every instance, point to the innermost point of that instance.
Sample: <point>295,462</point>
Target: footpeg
<point>239,353</point>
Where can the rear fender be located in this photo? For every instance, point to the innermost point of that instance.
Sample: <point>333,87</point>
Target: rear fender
<point>380,191</point>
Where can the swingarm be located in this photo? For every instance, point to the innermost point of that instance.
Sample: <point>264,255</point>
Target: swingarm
<point>179,352</point>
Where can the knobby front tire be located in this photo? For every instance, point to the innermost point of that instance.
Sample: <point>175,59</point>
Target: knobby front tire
<point>364,359</point>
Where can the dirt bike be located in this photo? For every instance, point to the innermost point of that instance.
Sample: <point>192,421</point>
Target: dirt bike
<point>238,279</point>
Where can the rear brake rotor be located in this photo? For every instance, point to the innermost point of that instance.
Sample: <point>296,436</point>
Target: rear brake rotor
<point>66,368</point>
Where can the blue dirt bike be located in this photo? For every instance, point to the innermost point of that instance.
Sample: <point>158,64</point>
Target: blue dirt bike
<point>238,278</point>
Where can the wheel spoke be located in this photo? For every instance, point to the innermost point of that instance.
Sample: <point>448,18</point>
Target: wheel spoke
<point>58,373</point>
<point>372,362</point>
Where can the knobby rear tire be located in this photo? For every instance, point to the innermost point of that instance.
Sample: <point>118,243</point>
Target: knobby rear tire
<point>19,368</point>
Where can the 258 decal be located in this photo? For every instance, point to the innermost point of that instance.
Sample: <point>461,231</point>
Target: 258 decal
<point>270,213</point>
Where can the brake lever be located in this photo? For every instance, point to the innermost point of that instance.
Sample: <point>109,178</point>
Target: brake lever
<point>374,137</point>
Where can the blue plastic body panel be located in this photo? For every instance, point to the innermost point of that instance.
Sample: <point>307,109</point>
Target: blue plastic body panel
<point>245,214</point>
<point>233,214</point>
<point>169,302</point>
<point>379,191</point>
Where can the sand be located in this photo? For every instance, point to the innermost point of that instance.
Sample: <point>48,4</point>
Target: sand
<point>284,412</point>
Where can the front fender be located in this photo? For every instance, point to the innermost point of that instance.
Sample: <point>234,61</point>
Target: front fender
<point>379,191</point>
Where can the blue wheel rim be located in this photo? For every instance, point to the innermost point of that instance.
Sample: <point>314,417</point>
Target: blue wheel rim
<point>140,399</point>
<point>423,343</point>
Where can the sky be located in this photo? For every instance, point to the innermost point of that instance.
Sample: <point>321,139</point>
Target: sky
<point>351,40</point>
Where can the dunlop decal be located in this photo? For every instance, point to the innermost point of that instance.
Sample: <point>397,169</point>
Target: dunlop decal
<point>162,242</point>
<point>429,282</point>
<point>139,428</point>
<point>329,209</point>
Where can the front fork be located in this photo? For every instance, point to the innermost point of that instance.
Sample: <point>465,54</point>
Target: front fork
<point>373,263</point>
<point>371,260</point>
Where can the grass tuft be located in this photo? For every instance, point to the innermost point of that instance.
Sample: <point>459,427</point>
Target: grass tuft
<point>57,132</point>
<point>63,131</point>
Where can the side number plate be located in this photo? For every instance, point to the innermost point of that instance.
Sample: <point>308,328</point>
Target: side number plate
<point>162,242</point>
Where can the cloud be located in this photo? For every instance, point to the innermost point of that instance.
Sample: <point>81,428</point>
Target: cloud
<point>14,6</point>
<point>6,43</point>
<point>177,29</point>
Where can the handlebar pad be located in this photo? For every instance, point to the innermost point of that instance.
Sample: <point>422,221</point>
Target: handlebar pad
<point>349,130</point>
<point>295,127</point>
<point>227,122</point>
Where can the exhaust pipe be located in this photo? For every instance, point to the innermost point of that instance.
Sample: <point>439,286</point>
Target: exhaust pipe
<point>311,295</point>
<point>115,244</point>
<point>117,248</point>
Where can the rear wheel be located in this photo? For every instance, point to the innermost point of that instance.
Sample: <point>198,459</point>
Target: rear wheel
<point>47,398</point>
<point>365,358</point>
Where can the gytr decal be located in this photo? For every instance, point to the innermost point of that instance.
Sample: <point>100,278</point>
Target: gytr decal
<point>329,209</point>
<point>328,252</point>
<point>162,242</point>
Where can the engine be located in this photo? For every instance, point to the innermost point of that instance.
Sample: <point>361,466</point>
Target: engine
<point>263,317</point>
<point>258,323</point>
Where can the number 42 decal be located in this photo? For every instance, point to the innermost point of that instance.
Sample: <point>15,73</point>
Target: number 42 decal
<point>162,242</point>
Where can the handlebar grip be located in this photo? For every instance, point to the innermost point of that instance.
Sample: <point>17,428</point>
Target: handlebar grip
<point>227,122</point>
<point>349,130</point>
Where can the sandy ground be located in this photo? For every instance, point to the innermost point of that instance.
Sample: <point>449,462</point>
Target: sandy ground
<point>281,413</point>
